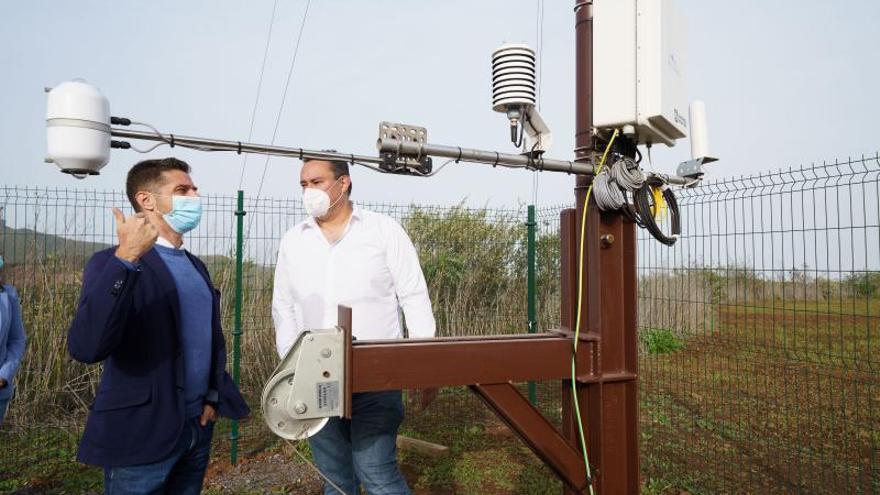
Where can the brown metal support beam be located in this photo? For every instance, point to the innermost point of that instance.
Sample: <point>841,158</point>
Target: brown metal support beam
<point>455,361</point>
<point>534,429</point>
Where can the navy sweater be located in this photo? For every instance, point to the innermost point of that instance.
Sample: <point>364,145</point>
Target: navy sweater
<point>195,326</point>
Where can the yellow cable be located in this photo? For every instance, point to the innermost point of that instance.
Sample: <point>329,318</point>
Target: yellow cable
<point>658,211</point>
<point>577,326</point>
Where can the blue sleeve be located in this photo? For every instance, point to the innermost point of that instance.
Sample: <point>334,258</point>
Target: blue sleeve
<point>17,341</point>
<point>129,264</point>
<point>104,307</point>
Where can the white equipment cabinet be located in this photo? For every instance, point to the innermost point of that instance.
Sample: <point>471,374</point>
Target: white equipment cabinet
<point>638,69</point>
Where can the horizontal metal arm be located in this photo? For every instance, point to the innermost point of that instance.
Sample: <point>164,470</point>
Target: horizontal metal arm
<point>414,149</point>
<point>455,361</point>
<point>403,148</point>
<point>241,147</point>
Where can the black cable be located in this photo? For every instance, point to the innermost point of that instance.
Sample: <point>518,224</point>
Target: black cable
<point>519,140</point>
<point>642,201</point>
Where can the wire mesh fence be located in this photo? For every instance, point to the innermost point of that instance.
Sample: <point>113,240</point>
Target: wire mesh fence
<point>473,260</point>
<point>758,329</point>
<point>759,335</point>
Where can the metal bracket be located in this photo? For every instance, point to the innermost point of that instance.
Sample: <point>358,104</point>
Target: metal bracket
<point>538,131</point>
<point>693,169</point>
<point>308,387</point>
<point>393,161</point>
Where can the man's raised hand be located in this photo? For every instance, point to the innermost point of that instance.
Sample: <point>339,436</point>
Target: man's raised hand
<point>136,235</point>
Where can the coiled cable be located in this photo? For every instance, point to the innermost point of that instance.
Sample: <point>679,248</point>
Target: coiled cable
<point>608,195</point>
<point>648,209</point>
<point>627,174</point>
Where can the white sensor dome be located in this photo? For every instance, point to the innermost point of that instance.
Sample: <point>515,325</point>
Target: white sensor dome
<point>77,128</point>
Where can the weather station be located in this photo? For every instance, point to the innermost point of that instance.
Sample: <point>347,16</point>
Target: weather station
<point>630,95</point>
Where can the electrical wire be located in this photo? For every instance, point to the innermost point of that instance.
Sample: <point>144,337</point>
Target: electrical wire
<point>169,142</point>
<point>284,94</point>
<point>155,131</point>
<point>244,159</point>
<point>151,148</point>
<point>372,167</point>
<point>611,186</point>
<point>519,140</point>
<point>649,208</point>
<point>539,28</point>
<point>627,174</point>
<point>301,456</point>
<point>435,172</point>
<point>577,326</point>
<point>609,197</point>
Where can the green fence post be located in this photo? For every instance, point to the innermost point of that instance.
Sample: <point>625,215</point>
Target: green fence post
<point>236,332</point>
<point>531,258</point>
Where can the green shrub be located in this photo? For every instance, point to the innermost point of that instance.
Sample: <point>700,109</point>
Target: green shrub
<point>660,341</point>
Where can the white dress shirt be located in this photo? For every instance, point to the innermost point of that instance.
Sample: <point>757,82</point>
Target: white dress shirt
<point>373,268</point>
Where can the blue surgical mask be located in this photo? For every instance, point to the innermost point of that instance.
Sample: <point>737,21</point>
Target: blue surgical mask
<point>186,211</point>
<point>1,261</point>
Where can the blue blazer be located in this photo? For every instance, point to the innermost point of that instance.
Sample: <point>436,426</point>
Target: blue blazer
<point>12,339</point>
<point>128,319</point>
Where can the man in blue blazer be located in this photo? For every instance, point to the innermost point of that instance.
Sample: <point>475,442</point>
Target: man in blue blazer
<point>12,341</point>
<point>150,313</point>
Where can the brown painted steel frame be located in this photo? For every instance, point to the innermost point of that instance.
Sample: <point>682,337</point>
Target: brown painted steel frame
<point>489,365</point>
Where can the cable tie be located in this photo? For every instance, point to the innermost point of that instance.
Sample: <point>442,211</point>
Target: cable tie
<point>239,148</point>
<point>497,157</point>
<point>459,155</point>
<point>172,140</point>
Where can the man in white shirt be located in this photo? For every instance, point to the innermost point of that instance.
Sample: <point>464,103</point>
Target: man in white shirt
<point>343,254</point>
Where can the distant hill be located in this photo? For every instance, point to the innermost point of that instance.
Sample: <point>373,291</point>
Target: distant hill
<point>17,245</point>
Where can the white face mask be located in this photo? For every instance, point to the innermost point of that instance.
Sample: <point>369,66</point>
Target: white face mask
<point>317,202</point>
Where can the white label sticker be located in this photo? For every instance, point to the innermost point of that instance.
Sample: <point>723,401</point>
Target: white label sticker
<point>328,396</point>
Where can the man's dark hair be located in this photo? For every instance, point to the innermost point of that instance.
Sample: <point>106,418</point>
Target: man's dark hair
<point>339,167</point>
<point>148,174</point>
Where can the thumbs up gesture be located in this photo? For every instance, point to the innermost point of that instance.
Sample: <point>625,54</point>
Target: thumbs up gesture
<point>136,235</point>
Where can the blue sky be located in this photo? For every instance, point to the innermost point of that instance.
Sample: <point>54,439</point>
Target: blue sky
<point>785,83</point>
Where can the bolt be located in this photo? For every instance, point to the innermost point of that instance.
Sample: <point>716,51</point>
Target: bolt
<point>607,240</point>
<point>281,424</point>
<point>325,352</point>
<point>274,401</point>
<point>300,408</point>
<point>311,338</point>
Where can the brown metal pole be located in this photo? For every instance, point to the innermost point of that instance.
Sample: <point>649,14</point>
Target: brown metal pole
<point>609,407</point>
